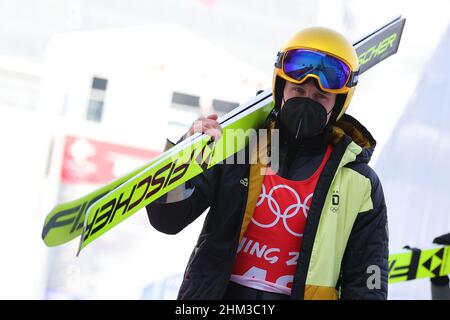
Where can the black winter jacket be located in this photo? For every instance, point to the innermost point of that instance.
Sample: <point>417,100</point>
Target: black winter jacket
<point>361,254</point>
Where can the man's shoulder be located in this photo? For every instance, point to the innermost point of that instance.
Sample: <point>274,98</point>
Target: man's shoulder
<point>364,169</point>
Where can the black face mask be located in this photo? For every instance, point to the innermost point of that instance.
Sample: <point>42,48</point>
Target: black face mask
<point>303,117</point>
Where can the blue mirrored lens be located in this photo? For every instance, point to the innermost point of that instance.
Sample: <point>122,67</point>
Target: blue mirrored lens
<point>332,72</point>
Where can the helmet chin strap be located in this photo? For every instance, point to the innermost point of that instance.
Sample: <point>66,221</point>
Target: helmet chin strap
<point>337,108</point>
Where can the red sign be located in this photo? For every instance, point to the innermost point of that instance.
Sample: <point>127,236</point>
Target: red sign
<point>91,161</point>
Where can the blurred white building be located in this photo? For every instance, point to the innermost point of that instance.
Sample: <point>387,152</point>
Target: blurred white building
<point>24,153</point>
<point>108,101</point>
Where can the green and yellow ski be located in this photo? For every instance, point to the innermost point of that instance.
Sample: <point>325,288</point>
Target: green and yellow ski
<point>417,264</point>
<point>182,162</point>
<point>178,165</point>
<point>94,214</point>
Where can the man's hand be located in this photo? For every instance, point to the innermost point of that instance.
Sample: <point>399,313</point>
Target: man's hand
<point>208,125</point>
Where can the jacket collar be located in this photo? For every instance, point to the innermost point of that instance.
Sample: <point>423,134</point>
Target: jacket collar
<point>361,143</point>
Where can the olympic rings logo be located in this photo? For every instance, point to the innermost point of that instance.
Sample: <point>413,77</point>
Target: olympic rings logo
<point>290,212</point>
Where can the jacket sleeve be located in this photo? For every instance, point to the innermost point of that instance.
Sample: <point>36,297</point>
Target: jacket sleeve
<point>181,206</point>
<point>364,271</point>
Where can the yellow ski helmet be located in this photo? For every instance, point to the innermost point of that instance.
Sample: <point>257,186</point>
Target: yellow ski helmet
<point>321,54</point>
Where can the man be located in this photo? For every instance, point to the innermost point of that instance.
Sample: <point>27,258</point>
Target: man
<point>315,227</point>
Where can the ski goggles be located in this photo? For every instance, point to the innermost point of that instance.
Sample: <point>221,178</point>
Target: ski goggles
<point>332,73</point>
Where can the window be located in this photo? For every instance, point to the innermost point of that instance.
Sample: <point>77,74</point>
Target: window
<point>222,107</point>
<point>185,100</point>
<point>95,110</point>
<point>99,83</point>
<point>96,99</point>
<point>184,109</point>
